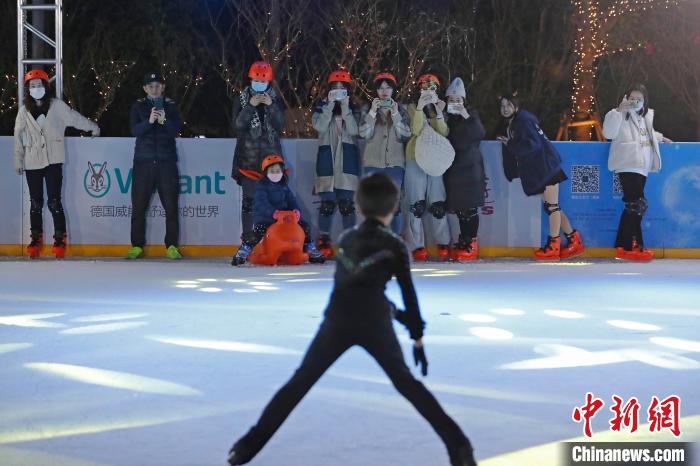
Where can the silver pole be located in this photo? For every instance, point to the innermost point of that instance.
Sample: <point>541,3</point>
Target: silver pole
<point>21,53</point>
<point>59,49</point>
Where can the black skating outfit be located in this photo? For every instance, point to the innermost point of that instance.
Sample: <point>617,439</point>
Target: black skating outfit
<point>359,314</point>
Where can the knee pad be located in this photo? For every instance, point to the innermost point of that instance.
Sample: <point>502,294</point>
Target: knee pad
<point>35,205</point>
<point>346,207</point>
<point>55,206</point>
<point>549,209</point>
<point>438,209</point>
<point>247,205</point>
<point>327,208</point>
<point>418,209</point>
<point>637,207</point>
<point>467,214</point>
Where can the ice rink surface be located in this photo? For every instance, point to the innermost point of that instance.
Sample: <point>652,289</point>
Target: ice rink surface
<point>108,362</point>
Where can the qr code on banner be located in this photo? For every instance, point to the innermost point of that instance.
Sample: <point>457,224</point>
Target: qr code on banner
<point>617,184</point>
<point>585,179</point>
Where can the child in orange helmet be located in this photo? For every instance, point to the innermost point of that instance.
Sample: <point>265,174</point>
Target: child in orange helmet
<point>272,193</point>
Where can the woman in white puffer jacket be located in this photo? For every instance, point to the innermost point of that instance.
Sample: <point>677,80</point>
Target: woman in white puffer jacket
<point>39,153</point>
<point>634,154</point>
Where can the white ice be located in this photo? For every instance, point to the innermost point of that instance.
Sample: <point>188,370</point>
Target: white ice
<point>108,362</point>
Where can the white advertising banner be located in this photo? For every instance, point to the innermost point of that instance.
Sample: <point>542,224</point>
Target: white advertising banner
<point>97,195</point>
<point>11,201</point>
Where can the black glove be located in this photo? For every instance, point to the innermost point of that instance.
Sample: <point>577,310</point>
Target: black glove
<point>419,358</point>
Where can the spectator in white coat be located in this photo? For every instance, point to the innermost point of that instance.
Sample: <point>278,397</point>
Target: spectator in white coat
<point>634,154</point>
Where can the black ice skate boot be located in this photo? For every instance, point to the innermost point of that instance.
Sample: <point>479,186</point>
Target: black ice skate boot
<point>462,455</point>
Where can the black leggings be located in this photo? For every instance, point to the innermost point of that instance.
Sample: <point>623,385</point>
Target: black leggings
<point>53,177</point>
<point>631,220</point>
<point>468,224</point>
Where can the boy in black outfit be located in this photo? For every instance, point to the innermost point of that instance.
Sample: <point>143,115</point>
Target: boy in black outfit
<point>359,314</point>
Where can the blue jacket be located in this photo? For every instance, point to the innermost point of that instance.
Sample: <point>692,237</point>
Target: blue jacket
<point>154,142</point>
<point>270,197</point>
<point>538,160</point>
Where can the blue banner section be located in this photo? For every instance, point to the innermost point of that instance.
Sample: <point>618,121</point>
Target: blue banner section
<point>592,196</point>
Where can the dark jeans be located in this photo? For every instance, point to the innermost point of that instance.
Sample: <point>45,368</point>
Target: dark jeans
<point>53,177</point>
<point>248,187</point>
<point>337,334</point>
<point>261,228</point>
<point>146,178</point>
<point>630,222</point>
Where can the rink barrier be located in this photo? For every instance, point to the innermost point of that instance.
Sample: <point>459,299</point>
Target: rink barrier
<point>511,223</point>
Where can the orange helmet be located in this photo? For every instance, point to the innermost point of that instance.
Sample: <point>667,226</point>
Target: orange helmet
<point>260,71</point>
<point>388,76</point>
<point>428,77</point>
<point>271,160</point>
<point>339,76</point>
<point>36,74</point>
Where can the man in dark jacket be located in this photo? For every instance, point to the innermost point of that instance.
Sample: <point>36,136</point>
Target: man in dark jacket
<point>155,122</point>
<point>258,116</point>
<point>360,314</point>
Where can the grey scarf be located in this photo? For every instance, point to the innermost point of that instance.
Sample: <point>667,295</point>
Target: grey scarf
<point>256,128</point>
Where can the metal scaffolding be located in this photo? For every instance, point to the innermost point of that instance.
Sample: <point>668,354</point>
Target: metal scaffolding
<point>27,22</point>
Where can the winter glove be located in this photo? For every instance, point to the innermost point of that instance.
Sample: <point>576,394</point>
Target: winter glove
<point>419,358</point>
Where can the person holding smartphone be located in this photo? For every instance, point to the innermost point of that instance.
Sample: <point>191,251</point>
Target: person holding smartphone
<point>338,159</point>
<point>385,128</point>
<point>634,153</point>
<point>258,118</point>
<point>155,122</point>
<point>426,194</point>
<point>465,180</point>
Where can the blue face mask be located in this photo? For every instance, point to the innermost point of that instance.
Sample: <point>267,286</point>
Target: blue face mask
<point>258,86</point>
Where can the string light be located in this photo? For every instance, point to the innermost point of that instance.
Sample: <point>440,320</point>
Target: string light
<point>592,42</point>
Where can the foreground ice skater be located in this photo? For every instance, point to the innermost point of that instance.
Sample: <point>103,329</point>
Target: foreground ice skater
<point>359,314</point>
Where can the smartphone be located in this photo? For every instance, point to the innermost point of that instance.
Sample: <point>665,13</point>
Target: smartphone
<point>339,94</point>
<point>386,103</point>
<point>159,103</point>
<point>431,93</point>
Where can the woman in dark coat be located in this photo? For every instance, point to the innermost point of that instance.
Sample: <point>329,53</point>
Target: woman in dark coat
<point>465,180</point>
<point>539,169</point>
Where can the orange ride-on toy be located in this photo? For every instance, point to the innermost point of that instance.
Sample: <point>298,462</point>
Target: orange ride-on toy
<point>283,243</point>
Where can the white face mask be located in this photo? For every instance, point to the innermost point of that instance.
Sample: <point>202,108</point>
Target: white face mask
<point>37,93</point>
<point>259,86</point>
<point>275,177</point>
<point>454,108</point>
<point>638,104</point>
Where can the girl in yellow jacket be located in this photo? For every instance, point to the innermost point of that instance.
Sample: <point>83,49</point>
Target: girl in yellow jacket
<point>425,194</point>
